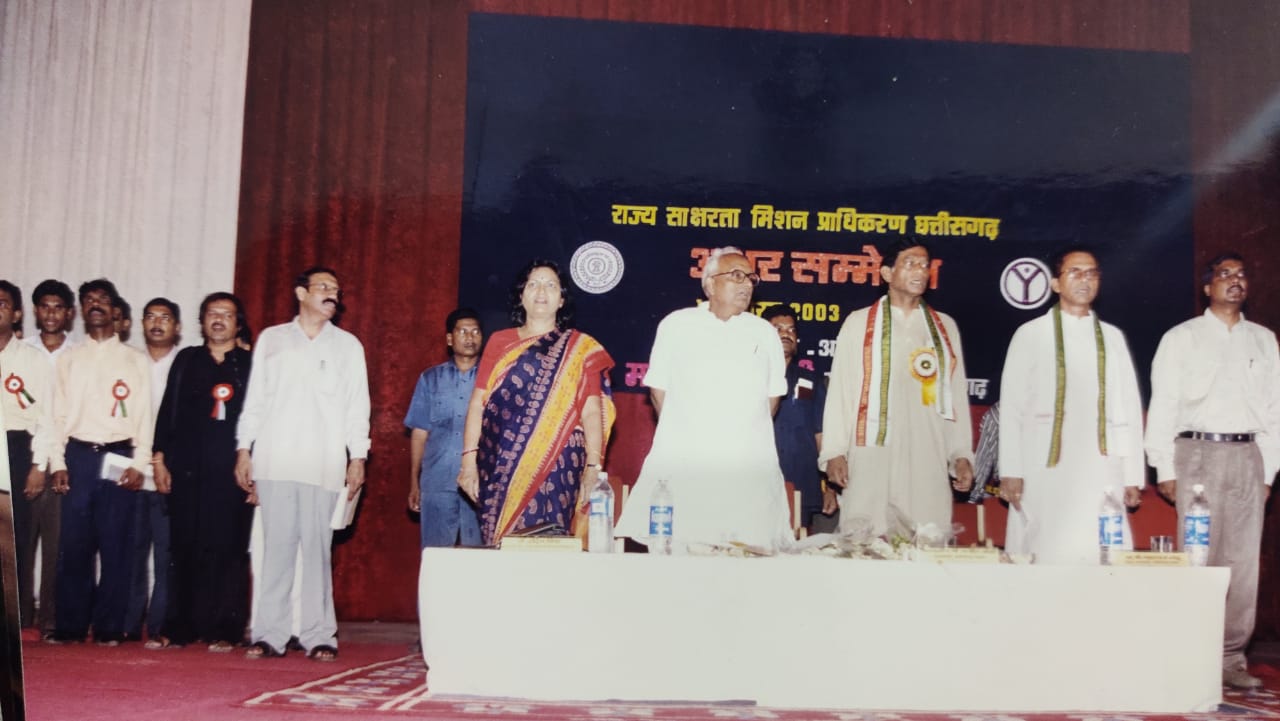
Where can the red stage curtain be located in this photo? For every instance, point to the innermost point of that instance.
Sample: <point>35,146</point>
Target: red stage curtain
<point>353,159</point>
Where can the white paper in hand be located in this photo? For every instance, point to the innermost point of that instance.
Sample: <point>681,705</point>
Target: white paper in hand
<point>114,465</point>
<point>344,510</point>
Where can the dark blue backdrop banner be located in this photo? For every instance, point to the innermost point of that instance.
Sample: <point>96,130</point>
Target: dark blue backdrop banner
<point>626,151</point>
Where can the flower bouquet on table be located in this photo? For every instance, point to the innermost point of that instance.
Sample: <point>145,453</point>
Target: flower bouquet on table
<point>904,540</point>
<point>855,540</point>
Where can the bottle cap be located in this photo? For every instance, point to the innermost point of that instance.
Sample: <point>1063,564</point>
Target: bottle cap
<point>1198,488</point>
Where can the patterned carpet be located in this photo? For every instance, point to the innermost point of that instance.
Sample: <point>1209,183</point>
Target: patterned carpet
<point>398,687</point>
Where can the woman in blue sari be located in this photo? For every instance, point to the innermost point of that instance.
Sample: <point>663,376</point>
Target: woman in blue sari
<point>540,414</point>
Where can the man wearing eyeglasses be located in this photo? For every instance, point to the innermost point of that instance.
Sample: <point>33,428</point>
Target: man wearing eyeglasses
<point>1215,404</point>
<point>896,425</point>
<point>435,419</point>
<point>302,440</point>
<point>1070,421</point>
<point>716,375</point>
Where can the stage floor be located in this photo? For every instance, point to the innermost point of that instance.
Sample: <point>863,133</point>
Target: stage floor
<point>91,683</point>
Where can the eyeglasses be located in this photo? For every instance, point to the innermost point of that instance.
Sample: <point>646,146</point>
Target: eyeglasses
<point>469,331</point>
<point>914,264</point>
<point>739,277</point>
<point>1228,274</point>
<point>1083,273</point>
<point>326,288</point>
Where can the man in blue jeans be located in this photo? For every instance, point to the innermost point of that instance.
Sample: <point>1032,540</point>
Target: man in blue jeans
<point>101,405</point>
<point>435,420</point>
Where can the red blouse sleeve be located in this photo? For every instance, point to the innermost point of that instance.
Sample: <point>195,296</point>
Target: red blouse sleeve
<point>499,343</point>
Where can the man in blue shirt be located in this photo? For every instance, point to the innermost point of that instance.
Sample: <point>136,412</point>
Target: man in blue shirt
<point>435,420</point>
<point>797,427</point>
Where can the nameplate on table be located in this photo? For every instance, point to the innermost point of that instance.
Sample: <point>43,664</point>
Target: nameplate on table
<point>553,544</point>
<point>1150,558</point>
<point>957,555</point>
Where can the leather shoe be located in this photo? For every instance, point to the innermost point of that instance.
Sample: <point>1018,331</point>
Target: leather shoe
<point>1240,678</point>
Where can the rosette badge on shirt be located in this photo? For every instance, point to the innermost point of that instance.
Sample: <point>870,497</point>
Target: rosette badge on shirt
<point>924,368</point>
<point>221,393</point>
<point>14,385</point>
<point>120,391</point>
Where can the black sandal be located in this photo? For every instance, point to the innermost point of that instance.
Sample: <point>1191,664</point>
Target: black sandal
<point>262,649</point>
<point>324,653</point>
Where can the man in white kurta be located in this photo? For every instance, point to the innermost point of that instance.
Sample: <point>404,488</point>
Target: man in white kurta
<point>893,433</point>
<point>302,440</point>
<point>716,374</point>
<point>1056,489</point>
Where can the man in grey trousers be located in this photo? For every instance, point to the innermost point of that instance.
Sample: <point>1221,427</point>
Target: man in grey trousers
<point>1213,420</point>
<point>302,440</point>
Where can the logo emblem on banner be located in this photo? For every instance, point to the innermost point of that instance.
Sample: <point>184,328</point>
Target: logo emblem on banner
<point>596,267</point>
<point>1025,283</point>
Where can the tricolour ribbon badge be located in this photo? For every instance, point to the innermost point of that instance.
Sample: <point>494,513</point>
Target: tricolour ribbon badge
<point>14,385</point>
<point>222,393</point>
<point>924,368</point>
<point>120,391</point>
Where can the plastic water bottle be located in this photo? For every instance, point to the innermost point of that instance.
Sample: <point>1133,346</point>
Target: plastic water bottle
<point>661,519</point>
<point>1195,530</point>
<point>1110,527</point>
<point>600,516</point>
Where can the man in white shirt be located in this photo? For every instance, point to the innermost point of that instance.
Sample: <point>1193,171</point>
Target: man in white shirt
<point>149,594</point>
<point>38,513</point>
<point>27,400</point>
<point>1070,421</point>
<point>1215,406</point>
<point>716,375</point>
<point>302,440</point>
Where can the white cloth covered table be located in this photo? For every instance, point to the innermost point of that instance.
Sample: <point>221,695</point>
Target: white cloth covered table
<point>816,632</point>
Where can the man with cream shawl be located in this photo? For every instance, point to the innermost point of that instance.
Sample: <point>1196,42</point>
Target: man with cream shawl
<point>896,423</point>
<point>1070,422</point>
